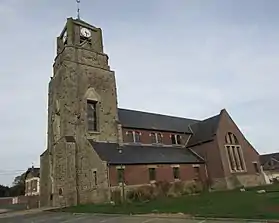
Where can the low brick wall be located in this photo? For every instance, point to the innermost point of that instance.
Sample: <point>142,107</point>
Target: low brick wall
<point>33,202</point>
<point>6,201</point>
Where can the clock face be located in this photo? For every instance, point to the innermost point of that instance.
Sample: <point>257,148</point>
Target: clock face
<point>85,32</point>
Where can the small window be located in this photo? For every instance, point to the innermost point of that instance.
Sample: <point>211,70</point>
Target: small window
<point>137,137</point>
<point>152,174</point>
<point>92,115</point>
<point>153,137</point>
<point>159,138</point>
<point>120,175</point>
<point>197,172</point>
<point>95,177</point>
<point>176,173</point>
<point>178,139</point>
<point>60,192</point>
<point>256,167</point>
<point>173,141</point>
<point>130,136</point>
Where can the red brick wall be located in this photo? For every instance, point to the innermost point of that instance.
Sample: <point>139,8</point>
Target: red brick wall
<point>139,174</point>
<point>146,138</point>
<point>210,152</point>
<point>250,154</point>
<point>6,201</point>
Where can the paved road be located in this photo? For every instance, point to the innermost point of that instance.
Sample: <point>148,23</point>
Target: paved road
<point>49,217</point>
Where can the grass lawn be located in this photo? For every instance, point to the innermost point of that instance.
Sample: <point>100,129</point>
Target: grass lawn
<point>232,204</point>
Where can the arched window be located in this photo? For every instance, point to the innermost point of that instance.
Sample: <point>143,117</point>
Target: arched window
<point>156,137</point>
<point>159,138</point>
<point>60,192</point>
<point>92,118</point>
<point>153,137</point>
<point>235,153</point>
<point>137,137</point>
<point>133,136</point>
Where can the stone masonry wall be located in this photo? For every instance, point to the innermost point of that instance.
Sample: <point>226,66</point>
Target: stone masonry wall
<point>80,73</point>
<point>44,180</point>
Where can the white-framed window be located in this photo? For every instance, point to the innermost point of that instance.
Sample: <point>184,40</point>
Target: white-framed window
<point>235,153</point>
<point>133,136</point>
<point>175,139</point>
<point>156,137</point>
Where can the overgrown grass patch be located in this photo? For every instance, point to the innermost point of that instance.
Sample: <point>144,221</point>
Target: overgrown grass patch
<point>228,204</point>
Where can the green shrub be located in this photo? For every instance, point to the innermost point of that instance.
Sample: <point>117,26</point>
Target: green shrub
<point>162,188</point>
<point>143,193</point>
<point>116,196</point>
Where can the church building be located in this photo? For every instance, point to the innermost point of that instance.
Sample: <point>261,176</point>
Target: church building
<point>94,146</point>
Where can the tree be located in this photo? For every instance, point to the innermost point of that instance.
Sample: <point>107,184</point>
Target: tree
<point>4,191</point>
<point>18,187</point>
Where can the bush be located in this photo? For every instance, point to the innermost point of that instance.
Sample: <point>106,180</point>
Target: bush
<point>176,189</point>
<point>163,188</point>
<point>116,196</point>
<point>144,193</point>
<point>192,188</point>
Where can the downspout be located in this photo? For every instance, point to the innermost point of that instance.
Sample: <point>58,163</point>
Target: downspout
<point>109,185</point>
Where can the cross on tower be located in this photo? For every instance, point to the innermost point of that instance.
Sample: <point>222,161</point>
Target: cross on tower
<point>78,9</point>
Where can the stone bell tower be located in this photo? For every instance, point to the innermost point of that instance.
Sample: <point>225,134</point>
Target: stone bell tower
<point>82,105</point>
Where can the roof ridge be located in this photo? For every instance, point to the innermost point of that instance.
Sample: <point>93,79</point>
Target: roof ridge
<point>204,120</point>
<point>270,154</point>
<point>154,113</point>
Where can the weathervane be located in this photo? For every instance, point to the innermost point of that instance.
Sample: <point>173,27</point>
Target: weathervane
<point>78,9</point>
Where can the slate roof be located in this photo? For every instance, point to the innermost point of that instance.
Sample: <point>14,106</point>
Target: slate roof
<point>142,154</point>
<point>204,130</point>
<point>267,157</point>
<point>35,172</point>
<point>145,120</point>
<point>270,161</point>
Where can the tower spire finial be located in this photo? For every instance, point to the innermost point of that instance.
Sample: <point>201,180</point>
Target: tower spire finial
<point>78,9</point>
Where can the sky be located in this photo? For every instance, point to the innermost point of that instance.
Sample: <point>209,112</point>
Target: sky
<point>187,58</point>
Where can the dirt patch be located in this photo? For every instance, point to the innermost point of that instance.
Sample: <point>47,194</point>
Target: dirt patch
<point>2,211</point>
<point>274,208</point>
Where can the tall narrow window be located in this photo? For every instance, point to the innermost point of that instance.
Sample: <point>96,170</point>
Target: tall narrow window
<point>120,175</point>
<point>137,137</point>
<point>197,172</point>
<point>256,167</point>
<point>130,136</point>
<point>92,115</point>
<point>230,157</point>
<point>176,173</point>
<point>234,152</point>
<point>152,174</point>
<point>176,139</point>
<point>153,137</point>
<point>95,177</point>
<point>173,140</point>
<point>159,138</point>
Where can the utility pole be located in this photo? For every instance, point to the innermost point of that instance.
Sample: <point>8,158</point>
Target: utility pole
<point>123,179</point>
